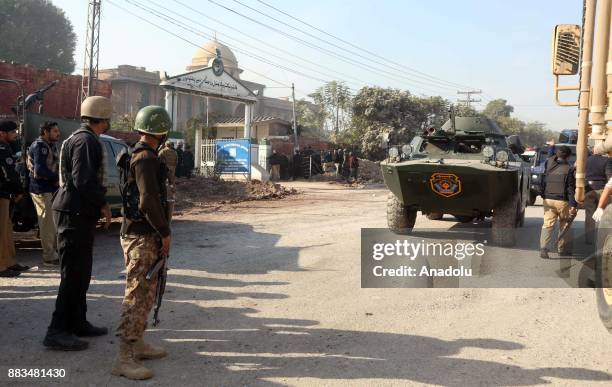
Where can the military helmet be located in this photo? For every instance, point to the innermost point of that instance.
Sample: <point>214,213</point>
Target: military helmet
<point>153,120</point>
<point>97,107</point>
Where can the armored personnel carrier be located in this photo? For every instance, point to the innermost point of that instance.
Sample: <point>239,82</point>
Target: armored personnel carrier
<point>466,168</point>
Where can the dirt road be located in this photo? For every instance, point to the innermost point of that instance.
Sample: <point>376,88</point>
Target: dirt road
<point>268,293</point>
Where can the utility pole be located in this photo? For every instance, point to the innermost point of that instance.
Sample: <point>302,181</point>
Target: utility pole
<point>295,135</point>
<point>92,49</point>
<point>468,100</point>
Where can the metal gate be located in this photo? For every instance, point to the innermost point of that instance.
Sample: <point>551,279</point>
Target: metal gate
<point>209,158</point>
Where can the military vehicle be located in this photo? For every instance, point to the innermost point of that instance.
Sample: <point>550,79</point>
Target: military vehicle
<point>586,49</point>
<point>467,168</point>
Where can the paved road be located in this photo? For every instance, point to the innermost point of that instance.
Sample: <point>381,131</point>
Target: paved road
<point>268,293</point>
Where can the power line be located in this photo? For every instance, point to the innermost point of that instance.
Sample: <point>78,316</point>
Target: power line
<point>358,81</point>
<point>469,100</point>
<point>332,53</point>
<point>361,48</point>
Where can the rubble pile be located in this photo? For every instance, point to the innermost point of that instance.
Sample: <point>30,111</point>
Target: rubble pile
<point>206,192</point>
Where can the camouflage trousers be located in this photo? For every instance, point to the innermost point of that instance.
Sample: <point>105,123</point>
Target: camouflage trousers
<point>140,252</point>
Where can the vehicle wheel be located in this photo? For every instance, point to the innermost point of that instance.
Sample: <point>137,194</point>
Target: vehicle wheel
<point>464,218</point>
<point>604,283</point>
<point>532,198</point>
<point>400,219</point>
<point>435,215</point>
<point>505,220</point>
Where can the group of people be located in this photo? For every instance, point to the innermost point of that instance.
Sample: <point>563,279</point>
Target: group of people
<point>346,163</point>
<point>180,162</point>
<point>560,205</point>
<point>68,189</point>
<point>339,161</point>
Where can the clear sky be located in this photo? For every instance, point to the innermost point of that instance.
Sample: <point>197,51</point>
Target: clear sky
<point>499,46</point>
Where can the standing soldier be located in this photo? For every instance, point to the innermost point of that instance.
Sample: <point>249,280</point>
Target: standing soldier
<point>169,157</point>
<point>42,163</point>
<point>598,171</point>
<point>78,204</point>
<point>188,162</point>
<point>10,187</point>
<point>558,185</point>
<point>179,160</point>
<point>145,236</point>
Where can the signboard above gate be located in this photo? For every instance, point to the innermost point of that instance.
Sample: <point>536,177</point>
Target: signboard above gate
<point>212,82</point>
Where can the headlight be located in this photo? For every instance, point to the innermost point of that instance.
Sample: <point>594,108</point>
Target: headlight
<point>488,151</point>
<point>502,156</point>
<point>534,177</point>
<point>406,150</point>
<point>393,152</point>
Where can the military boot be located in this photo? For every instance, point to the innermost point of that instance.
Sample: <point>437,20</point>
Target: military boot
<point>143,350</point>
<point>126,365</point>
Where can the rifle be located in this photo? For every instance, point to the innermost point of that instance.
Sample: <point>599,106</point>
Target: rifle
<point>160,268</point>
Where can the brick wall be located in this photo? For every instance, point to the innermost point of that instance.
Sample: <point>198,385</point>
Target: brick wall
<point>61,101</point>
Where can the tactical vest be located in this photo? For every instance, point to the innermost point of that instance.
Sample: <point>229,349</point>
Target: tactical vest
<point>51,160</point>
<point>65,163</point>
<point>556,173</point>
<point>129,189</point>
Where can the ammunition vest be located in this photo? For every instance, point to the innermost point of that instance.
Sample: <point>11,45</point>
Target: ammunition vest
<point>129,189</point>
<point>65,162</point>
<point>556,174</point>
<point>51,161</point>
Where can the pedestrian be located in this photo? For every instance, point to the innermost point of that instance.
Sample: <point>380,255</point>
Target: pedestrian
<point>329,161</point>
<point>340,161</point>
<point>345,163</point>
<point>78,204</point>
<point>598,171</point>
<point>274,166</point>
<point>353,166</point>
<point>179,160</point>
<point>188,162</point>
<point>558,186</point>
<point>336,158</point>
<point>145,236</point>
<point>42,164</point>
<point>297,164</point>
<point>10,189</point>
<point>603,201</point>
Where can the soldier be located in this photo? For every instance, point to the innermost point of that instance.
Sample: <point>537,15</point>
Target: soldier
<point>42,163</point>
<point>10,187</point>
<point>558,185</point>
<point>78,204</point>
<point>145,236</point>
<point>598,171</point>
<point>179,160</point>
<point>188,162</point>
<point>169,157</point>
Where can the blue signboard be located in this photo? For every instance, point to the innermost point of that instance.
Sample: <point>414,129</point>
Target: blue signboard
<point>233,156</point>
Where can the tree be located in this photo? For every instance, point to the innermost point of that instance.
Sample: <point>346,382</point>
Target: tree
<point>498,108</point>
<point>38,33</point>
<point>335,99</point>
<point>310,116</point>
<point>397,113</point>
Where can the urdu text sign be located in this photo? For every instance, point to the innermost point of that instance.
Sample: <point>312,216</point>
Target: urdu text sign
<point>234,156</point>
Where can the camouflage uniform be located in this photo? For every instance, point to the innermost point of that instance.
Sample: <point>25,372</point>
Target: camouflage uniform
<point>140,253</point>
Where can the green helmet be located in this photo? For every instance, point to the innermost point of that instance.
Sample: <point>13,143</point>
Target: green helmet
<point>153,120</point>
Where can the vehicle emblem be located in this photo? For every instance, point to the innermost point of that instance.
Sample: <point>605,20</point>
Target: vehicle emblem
<point>445,184</point>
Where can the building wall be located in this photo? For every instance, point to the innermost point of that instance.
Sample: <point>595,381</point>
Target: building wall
<point>62,101</point>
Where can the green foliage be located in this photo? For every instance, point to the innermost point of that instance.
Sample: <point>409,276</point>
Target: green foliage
<point>124,123</point>
<point>36,32</point>
<point>531,133</point>
<point>335,100</point>
<point>310,118</point>
<point>498,108</point>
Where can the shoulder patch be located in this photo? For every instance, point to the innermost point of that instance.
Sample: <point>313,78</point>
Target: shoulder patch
<point>9,160</point>
<point>43,150</point>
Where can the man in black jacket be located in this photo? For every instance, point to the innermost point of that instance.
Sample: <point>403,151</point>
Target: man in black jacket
<point>558,186</point>
<point>79,203</point>
<point>598,171</point>
<point>10,189</point>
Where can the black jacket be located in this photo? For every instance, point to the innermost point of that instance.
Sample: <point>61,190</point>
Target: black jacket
<point>598,171</point>
<point>10,184</point>
<point>570,183</point>
<point>85,194</point>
